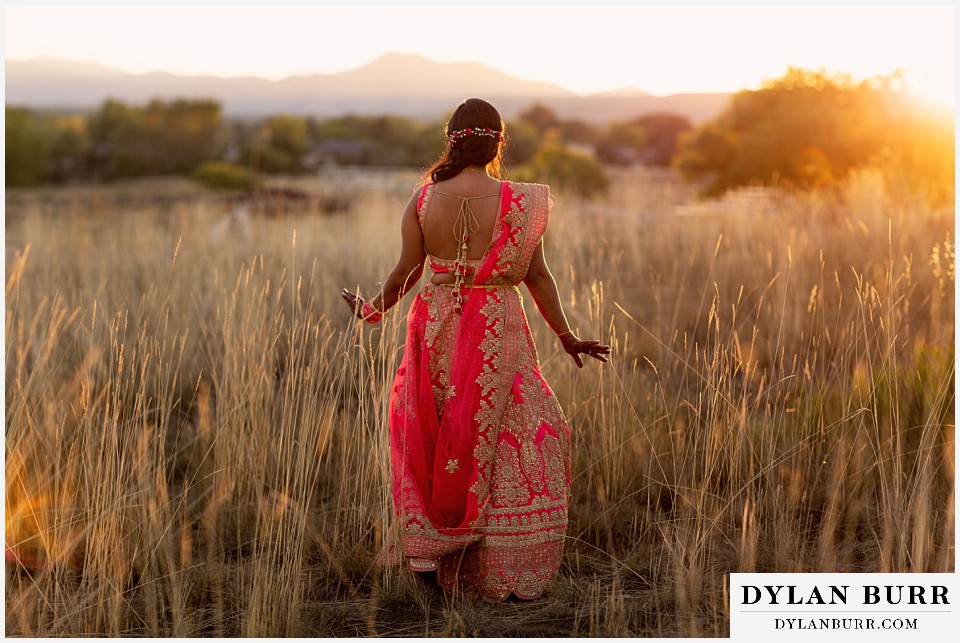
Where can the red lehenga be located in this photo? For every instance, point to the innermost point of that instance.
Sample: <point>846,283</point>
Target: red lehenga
<point>480,448</point>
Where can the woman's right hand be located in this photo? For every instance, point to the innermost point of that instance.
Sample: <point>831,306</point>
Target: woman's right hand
<point>355,302</point>
<point>575,347</point>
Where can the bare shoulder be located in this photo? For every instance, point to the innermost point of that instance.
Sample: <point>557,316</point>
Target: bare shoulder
<point>413,204</point>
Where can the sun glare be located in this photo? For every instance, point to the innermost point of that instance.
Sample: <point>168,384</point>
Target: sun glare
<point>938,86</point>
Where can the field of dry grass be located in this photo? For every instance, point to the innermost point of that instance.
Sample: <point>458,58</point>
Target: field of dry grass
<point>196,439</point>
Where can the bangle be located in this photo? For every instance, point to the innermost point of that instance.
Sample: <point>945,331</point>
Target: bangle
<point>370,314</point>
<point>566,332</point>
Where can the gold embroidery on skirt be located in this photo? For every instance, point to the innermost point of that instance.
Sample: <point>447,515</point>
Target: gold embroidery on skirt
<point>522,449</point>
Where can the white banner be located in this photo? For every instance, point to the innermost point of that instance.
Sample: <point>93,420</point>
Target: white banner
<point>844,607</point>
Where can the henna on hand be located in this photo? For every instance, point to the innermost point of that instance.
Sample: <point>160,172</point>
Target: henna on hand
<point>575,347</point>
<point>354,302</point>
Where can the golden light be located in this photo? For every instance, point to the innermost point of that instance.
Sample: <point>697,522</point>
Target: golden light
<point>936,85</point>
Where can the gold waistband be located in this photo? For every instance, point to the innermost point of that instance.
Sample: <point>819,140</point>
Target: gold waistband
<point>486,286</point>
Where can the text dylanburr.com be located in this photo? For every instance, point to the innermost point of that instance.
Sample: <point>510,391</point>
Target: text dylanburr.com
<point>845,607</point>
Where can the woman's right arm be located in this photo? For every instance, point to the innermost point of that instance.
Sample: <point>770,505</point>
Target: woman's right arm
<point>543,288</point>
<point>404,275</point>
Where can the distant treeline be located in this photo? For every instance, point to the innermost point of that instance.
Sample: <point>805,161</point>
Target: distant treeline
<point>176,137</point>
<point>805,129</point>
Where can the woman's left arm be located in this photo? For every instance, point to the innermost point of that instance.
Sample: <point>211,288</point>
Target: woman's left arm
<point>405,274</point>
<point>543,287</point>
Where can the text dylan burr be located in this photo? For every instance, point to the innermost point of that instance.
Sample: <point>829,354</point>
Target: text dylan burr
<point>838,594</point>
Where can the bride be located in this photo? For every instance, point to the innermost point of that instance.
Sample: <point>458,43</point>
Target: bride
<point>480,448</point>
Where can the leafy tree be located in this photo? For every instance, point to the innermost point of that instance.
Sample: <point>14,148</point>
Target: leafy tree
<point>69,148</point>
<point>426,148</point>
<point>539,121</point>
<point>575,130</point>
<point>159,138</point>
<point>541,117</point>
<point>380,140</point>
<point>119,146</point>
<point>808,129</point>
<point>396,140</point>
<point>706,149</point>
<point>566,169</point>
<point>622,143</point>
<point>661,133</point>
<point>284,142</point>
<point>27,148</point>
<point>523,139</point>
<point>182,134</point>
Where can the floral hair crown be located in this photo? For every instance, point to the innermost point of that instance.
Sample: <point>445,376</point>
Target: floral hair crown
<point>458,135</point>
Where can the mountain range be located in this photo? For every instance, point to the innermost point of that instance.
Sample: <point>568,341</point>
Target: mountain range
<point>404,84</point>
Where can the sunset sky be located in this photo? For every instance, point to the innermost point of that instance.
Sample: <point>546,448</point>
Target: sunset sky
<point>657,48</point>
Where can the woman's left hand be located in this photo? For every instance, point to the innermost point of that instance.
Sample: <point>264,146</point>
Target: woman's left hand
<point>355,302</point>
<point>574,347</point>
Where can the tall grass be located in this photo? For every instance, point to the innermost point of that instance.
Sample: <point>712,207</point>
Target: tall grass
<point>196,438</point>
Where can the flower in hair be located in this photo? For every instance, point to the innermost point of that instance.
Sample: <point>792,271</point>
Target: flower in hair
<point>458,135</point>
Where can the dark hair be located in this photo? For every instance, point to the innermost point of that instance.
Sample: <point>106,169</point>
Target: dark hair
<point>474,149</point>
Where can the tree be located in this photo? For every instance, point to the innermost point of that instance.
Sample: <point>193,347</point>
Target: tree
<point>523,139</point>
<point>706,149</point>
<point>575,130</point>
<point>27,148</point>
<point>283,144</point>
<point>182,134</point>
<point>158,138</point>
<point>69,148</point>
<point>661,131</point>
<point>379,140</point>
<point>622,143</point>
<point>566,169</point>
<point>118,143</point>
<point>808,129</point>
<point>541,117</point>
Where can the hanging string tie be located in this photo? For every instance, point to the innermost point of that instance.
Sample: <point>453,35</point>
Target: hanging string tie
<point>465,224</point>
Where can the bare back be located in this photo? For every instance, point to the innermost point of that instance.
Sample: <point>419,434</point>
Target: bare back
<point>438,219</point>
